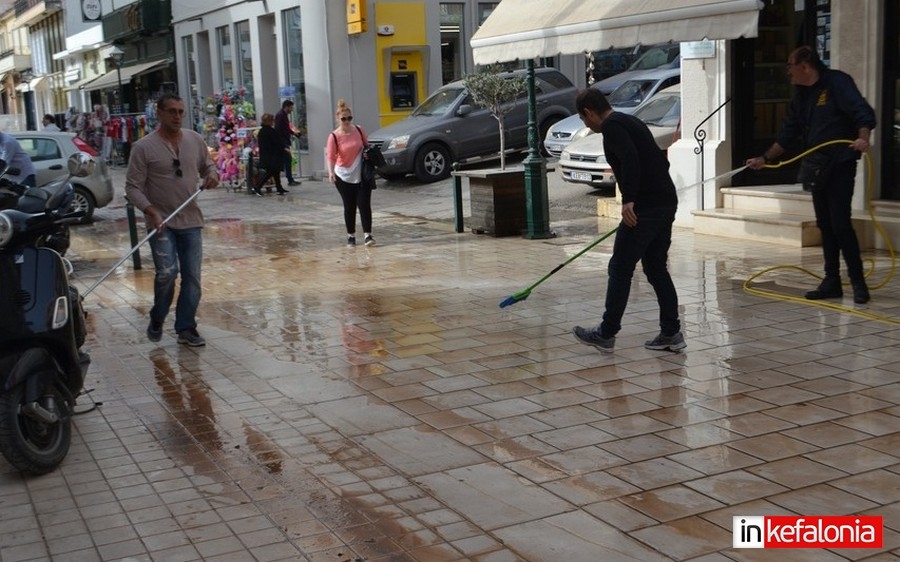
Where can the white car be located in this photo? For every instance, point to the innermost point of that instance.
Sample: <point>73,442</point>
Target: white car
<point>584,161</point>
<point>627,98</point>
<point>49,152</point>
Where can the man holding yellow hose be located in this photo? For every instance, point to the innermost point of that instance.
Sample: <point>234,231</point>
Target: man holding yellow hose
<point>827,106</point>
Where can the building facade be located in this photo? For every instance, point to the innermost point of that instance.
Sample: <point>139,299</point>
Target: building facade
<point>383,57</point>
<point>746,81</point>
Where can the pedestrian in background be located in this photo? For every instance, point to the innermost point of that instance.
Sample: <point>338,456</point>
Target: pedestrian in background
<point>286,133</point>
<point>15,157</point>
<point>827,106</point>
<point>649,202</point>
<point>271,155</point>
<point>344,155</point>
<point>163,172</point>
<point>49,122</point>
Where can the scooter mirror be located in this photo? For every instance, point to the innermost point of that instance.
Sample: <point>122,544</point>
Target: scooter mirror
<point>80,164</point>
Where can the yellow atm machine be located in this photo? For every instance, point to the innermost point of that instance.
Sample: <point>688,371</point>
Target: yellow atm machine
<point>403,64</point>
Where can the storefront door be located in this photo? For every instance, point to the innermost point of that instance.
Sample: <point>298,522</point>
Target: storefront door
<point>761,85</point>
<point>890,118</point>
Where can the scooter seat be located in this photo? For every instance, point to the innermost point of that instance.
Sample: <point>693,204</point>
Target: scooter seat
<point>34,200</point>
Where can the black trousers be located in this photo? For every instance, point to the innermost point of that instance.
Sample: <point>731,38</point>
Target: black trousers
<point>832,206</point>
<point>355,196</point>
<point>265,175</point>
<point>648,243</point>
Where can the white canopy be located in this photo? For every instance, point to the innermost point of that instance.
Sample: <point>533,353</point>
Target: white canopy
<point>111,78</point>
<point>525,29</point>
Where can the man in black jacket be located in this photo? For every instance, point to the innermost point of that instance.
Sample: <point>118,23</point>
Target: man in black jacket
<point>827,106</point>
<point>649,202</point>
<point>286,132</point>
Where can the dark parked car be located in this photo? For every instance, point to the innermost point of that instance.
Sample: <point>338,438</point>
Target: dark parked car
<point>449,127</point>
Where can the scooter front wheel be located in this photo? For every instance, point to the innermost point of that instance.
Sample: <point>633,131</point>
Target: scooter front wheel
<point>28,439</point>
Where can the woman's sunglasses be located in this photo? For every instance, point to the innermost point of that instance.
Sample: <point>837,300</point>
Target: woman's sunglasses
<point>347,118</point>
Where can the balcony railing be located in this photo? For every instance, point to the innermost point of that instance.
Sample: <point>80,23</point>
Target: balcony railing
<point>23,6</point>
<point>15,51</point>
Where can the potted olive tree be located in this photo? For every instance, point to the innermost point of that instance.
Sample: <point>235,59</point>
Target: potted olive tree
<point>497,197</point>
<point>497,91</point>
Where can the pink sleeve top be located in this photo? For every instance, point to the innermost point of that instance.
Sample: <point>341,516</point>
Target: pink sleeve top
<point>342,149</point>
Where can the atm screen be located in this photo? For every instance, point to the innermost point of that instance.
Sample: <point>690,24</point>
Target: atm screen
<point>403,90</point>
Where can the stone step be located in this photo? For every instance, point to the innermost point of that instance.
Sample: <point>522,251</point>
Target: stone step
<point>777,228</point>
<point>786,199</point>
<point>887,213</point>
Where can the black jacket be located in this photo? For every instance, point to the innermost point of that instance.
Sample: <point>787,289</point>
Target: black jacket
<point>271,149</point>
<point>640,166</point>
<point>832,108</point>
<point>283,127</point>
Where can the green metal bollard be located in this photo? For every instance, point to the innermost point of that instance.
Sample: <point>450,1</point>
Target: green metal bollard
<point>457,198</point>
<point>132,232</point>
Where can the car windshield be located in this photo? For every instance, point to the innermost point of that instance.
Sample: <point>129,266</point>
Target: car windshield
<point>661,111</point>
<point>439,102</point>
<point>631,93</point>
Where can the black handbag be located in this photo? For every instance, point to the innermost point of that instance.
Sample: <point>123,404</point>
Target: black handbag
<point>374,156</point>
<point>814,170</point>
<point>372,160</point>
<point>368,174</point>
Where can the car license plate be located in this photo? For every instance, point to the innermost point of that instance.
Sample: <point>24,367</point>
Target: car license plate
<point>581,176</point>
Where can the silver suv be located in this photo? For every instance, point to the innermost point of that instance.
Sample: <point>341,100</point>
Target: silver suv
<point>449,127</point>
<point>49,152</point>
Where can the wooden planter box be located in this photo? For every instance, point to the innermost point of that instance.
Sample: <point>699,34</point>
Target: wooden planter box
<point>497,201</point>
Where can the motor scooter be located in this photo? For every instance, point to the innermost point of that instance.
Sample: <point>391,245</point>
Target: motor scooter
<point>42,328</point>
<point>11,198</point>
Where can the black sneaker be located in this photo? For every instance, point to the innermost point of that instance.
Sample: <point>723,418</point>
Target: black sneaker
<point>370,241</point>
<point>351,240</point>
<point>591,336</point>
<point>191,338</point>
<point>154,331</point>
<point>674,342</point>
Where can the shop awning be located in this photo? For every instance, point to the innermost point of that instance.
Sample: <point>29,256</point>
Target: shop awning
<point>525,29</point>
<point>81,84</point>
<point>111,78</point>
<point>30,86</point>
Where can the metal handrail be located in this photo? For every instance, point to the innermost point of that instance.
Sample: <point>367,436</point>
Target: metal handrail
<point>700,137</point>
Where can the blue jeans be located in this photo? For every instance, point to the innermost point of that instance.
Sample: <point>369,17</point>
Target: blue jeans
<point>648,242</point>
<point>173,250</point>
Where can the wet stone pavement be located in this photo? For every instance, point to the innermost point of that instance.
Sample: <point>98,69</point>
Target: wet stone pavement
<point>375,403</point>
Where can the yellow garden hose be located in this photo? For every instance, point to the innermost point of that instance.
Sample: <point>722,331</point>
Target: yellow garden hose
<point>871,264</point>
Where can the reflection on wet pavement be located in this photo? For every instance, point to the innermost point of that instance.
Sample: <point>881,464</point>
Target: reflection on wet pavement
<point>376,404</point>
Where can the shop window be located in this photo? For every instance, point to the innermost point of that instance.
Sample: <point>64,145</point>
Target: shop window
<point>452,42</point>
<point>226,57</point>
<point>293,48</point>
<point>246,59</point>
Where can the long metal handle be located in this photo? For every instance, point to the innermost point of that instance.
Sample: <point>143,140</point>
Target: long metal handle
<point>141,243</point>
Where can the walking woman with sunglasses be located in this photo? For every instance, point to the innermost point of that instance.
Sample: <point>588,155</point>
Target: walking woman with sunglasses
<point>344,155</point>
<point>164,170</point>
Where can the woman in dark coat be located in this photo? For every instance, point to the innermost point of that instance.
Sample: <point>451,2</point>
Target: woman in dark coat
<point>271,155</point>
